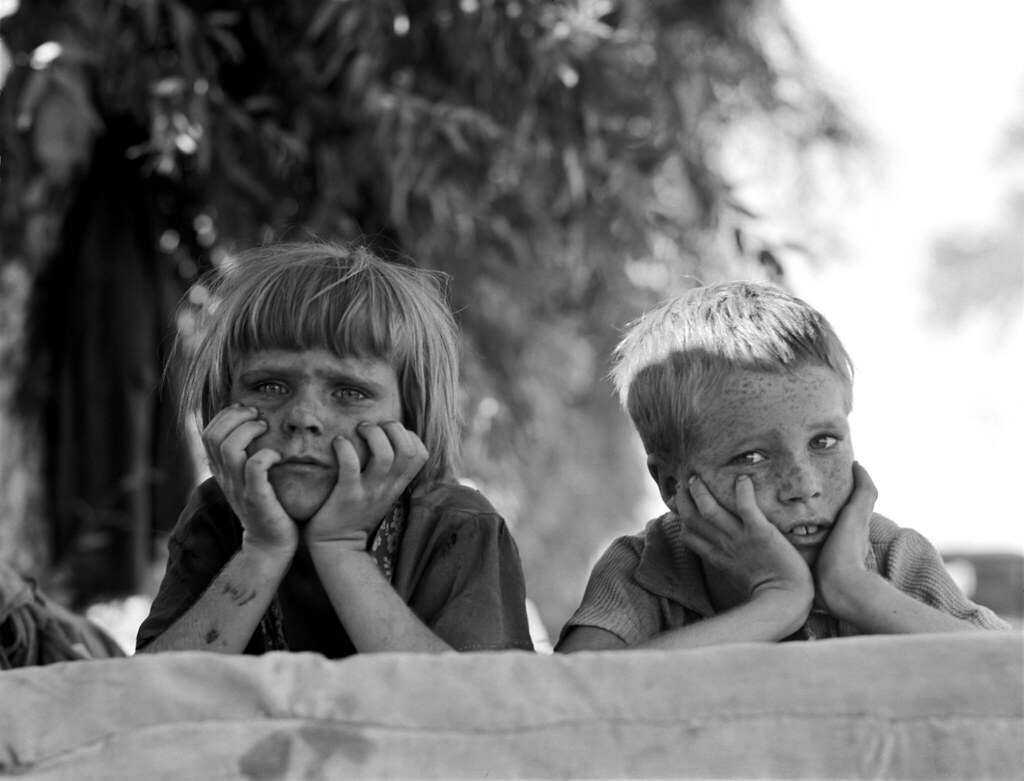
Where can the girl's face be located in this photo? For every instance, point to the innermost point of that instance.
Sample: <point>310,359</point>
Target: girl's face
<point>790,434</point>
<point>308,398</point>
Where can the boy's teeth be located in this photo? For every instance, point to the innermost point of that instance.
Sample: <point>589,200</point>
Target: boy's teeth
<point>803,531</point>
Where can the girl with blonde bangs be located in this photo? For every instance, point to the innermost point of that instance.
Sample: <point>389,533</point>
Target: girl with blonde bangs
<point>324,380</point>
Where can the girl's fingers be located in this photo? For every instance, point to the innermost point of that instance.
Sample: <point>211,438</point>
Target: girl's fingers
<point>230,432</point>
<point>256,470</point>
<point>394,450</point>
<point>228,419</point>
<point>349,466</point>
<point>410,452</point>
<point>382,455</point>
<point>234,447</point>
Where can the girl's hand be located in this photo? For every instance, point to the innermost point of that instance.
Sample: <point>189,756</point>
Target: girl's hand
<point>360,499</point>
<point>747,550</point>
<point>841,562</point>
<point>244,479</point>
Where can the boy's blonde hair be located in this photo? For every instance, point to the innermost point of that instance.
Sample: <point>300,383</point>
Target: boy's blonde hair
<point>335,297</point>
<point>680,354</point>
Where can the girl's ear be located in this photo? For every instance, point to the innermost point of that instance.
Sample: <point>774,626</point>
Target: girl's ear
<point>665,476</point>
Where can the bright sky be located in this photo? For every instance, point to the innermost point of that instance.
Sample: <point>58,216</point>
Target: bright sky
<point>938,420</point>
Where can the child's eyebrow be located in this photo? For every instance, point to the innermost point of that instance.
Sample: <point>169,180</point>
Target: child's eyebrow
<point>839,421</point>
<point>287,372</point>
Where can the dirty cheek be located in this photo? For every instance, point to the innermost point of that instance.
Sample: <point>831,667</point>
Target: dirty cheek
<point>840,480</point>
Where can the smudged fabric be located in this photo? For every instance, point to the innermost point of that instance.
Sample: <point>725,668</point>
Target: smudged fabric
<point>36,630</point>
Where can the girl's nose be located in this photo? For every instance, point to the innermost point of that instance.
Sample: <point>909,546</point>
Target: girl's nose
<point>302,417</point>
<point>799,482</point>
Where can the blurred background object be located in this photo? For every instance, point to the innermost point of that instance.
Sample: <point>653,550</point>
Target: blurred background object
<point>927,288</point>
<point>568,163</point>
<point>995,580</point>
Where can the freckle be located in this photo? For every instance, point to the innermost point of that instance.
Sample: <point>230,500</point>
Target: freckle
<point>212,635</point>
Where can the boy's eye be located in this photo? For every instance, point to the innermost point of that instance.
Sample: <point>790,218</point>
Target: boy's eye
<point>350,394</point>
<point>824,442</point>
<point>748,459</point>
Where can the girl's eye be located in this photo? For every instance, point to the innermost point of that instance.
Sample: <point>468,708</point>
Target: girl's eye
<point>748,459</point>
<point>270,388</point>
<point>824,442</point>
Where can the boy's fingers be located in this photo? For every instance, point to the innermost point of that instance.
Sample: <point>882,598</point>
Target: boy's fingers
<point>703,548</point>
<point>708,507</point>
<point>683,502</point>
<point>865,494</point>
<point>697,529</point>
<point>857,511</point>
<point>746,502</point>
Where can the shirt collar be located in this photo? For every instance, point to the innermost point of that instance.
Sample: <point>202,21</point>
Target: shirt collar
<point>670,569</point>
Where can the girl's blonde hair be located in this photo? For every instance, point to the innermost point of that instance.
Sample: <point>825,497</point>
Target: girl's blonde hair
<point>335,297</point>
<point>677,356</point>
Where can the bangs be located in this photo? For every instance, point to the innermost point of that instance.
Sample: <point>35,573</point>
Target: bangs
<point>341,312</point>
<point>341,299</point>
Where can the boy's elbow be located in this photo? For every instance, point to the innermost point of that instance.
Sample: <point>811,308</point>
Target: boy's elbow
<point>589,638</point>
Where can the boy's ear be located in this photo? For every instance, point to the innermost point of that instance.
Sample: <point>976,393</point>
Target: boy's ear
<point>664,475</point>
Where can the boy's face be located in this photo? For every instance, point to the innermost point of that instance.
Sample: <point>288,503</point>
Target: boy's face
<point>308,398</point>
<point>790,434</point>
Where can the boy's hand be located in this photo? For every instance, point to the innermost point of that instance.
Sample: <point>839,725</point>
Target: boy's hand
<point>841,562</point>
<point>244,479</point>
<point>747,550</point>
<point>361,497</point>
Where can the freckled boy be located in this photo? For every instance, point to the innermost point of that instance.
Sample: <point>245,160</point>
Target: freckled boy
<point>741,394</point>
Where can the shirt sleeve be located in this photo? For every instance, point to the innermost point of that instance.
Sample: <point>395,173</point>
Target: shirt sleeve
<point>200,545</point>
<point>471,592</point>
<point>910,562</point>
<point>614,600</point>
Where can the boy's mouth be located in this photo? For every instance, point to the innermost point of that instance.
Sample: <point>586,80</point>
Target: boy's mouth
<point>804,529</point>
<point>803,534</point>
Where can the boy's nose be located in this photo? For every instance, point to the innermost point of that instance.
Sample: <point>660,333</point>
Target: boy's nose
<point>799,482</point>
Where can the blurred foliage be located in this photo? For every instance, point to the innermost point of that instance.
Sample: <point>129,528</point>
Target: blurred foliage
<point>563,161</point>
<point>980,271</point>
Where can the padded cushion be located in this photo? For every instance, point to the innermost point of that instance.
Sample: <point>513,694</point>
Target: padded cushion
<point>924,706</point>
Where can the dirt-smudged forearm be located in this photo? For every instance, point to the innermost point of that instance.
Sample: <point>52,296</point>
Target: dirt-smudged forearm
<point>227,614</point>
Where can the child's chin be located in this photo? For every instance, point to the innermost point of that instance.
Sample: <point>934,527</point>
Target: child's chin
<point>300,511</point>
<point>301,502</point>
